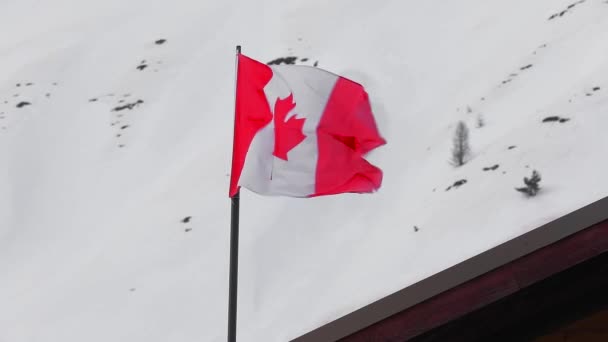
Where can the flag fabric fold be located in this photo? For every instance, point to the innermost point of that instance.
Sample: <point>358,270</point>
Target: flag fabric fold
<point>301,131</point>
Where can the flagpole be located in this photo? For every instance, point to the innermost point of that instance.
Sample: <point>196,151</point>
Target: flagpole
<point>234,246</point>
<point>234,266</point>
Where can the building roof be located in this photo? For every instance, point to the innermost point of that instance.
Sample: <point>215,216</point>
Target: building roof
<point>478,281</point>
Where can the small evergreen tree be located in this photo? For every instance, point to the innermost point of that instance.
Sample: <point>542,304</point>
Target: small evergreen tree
<point>461,148</point>
<point>480,121</point>
<point>532,187</point>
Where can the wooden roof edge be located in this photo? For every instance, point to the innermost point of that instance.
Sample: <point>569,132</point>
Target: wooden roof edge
<point>479,280</point>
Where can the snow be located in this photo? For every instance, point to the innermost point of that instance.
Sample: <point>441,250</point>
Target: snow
<point>92,243</point>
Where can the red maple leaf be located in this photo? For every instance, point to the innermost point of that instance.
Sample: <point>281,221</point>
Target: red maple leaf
<point>287,133</point>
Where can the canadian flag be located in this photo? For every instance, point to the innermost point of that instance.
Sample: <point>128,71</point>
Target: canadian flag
<point>301,131</point>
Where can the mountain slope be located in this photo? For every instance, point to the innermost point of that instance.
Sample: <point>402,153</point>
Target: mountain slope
<point>100,162</point>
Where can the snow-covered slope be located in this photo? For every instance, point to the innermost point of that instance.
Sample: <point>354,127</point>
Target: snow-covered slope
<point>93,192</point>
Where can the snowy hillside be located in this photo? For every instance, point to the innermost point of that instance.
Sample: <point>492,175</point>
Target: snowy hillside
<point>115,146</point>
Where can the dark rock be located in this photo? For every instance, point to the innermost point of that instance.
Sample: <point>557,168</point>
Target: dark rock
<point>526,67</point>
<point>551,119</point>
<point>457,184</point>
<point>128,106</point>
<point>555,119</point>
<point>290,60</point>
<point>186,219</point>
<point>460,182</point>
<point>160,41</point>
<point>23,104</point>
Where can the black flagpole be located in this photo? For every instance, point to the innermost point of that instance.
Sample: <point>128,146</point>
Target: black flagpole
<point>234,251</point>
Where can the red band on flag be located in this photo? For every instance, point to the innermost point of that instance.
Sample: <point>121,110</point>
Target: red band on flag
<point>346,132</point>
<point>252,112</point>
